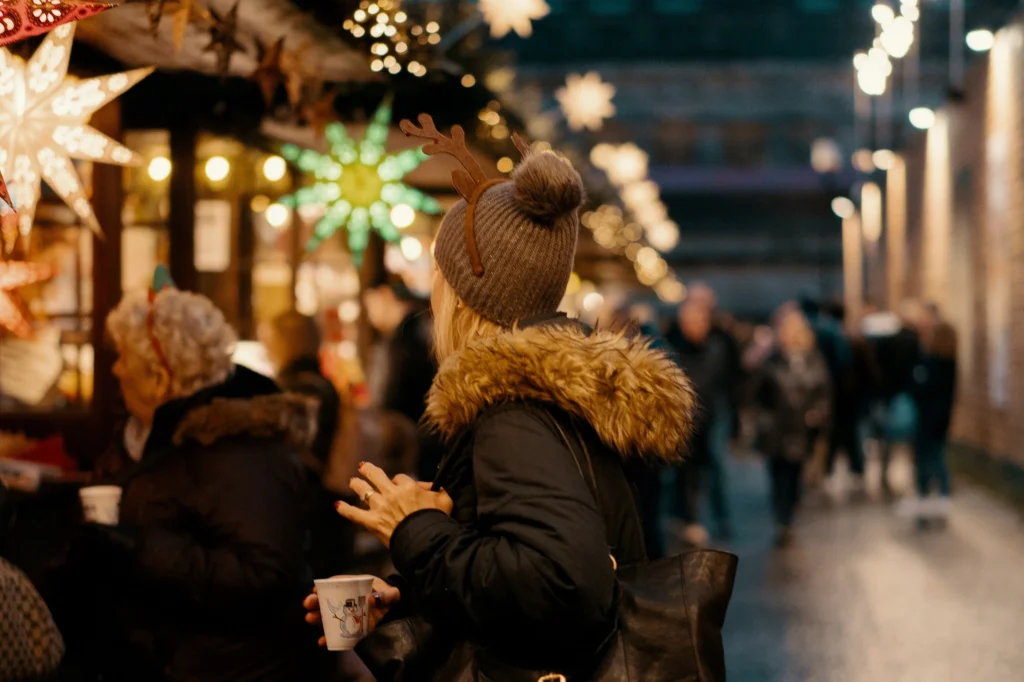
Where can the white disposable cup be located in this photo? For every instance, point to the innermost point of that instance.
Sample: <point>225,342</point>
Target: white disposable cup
<point>345,609</point>
<point>101,504</point>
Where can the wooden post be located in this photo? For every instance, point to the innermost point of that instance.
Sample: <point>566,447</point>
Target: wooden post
<point>107,199</point>
<point>853,267</point>
<point>896,232</point>
<point>181,222</point>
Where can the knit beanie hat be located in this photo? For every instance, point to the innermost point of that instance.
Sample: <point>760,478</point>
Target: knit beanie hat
<point>507,249</point>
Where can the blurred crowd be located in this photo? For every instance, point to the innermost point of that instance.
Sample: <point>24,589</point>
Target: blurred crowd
<point>806,391</point>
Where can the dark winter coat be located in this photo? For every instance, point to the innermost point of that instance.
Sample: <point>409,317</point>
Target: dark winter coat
<point>897,356</point>
<point>203,579</point>
<point>521,568</point>
<point>788,391</point>
<point>707,367</point>
<point>934,394</point>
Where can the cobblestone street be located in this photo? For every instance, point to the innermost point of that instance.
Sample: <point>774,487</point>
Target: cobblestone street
<point>863,597</point>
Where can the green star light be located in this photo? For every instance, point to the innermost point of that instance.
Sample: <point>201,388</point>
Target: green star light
<point>360,183</point>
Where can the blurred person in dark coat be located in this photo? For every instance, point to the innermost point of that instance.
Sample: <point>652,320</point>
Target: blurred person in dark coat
<point>897,348</point>
<point>794,396</point>
<point>404,366</point>
<point>852,390</point>
<point>704,360</point>
<point>293,345</point>
<point>935,394</point>
<point>201,578</point>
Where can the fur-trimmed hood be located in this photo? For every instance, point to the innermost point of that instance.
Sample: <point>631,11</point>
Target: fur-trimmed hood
<point>287,416</point>
<point>636,398</point>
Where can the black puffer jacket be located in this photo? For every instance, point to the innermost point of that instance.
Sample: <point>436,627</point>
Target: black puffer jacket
<point>203,579</point>
<point>521,568</point>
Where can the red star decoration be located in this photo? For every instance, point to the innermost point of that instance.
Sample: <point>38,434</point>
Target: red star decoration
<point>14,275</point>
<point>5,196</point>
<point>20,19</point>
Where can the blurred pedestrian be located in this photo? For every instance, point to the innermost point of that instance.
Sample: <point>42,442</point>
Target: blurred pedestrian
<point>201,577</point>
<point>897,348</point>
<point>293,343</point>
<point>852,391</point>
<point>403,367</point>
<point>509,554</point>
<point>704,359</point>
<point>935,394</point>
<point>793,393</point>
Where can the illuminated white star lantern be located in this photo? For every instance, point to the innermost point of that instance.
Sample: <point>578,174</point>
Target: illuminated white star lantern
<point>43,125</point>
<point>586,101</point>
<point>513,15</point>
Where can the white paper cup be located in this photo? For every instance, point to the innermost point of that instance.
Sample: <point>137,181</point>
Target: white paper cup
<point>345,609</point>
<point>101,504</point>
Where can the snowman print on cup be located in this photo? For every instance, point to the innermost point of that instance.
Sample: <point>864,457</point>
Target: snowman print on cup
<point>351,617</point>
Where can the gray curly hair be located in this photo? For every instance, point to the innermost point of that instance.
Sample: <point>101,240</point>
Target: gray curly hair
<point>195,339</point>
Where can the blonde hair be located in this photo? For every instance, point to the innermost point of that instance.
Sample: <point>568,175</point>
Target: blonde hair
<point>196,341</point>
<point>455,324</point>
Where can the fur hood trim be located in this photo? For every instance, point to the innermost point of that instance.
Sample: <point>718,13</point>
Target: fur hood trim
<point>636,398</point>
<point>287,416</point>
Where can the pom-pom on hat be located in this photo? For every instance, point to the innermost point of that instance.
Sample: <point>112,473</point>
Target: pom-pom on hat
<point>508,247</point>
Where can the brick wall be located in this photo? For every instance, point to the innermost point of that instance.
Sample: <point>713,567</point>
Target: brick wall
<point>965,242</point>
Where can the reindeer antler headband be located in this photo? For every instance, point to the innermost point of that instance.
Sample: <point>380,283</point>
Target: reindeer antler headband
<point>470,183</point>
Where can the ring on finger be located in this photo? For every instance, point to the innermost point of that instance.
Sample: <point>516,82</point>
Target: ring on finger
<point>368,495</point>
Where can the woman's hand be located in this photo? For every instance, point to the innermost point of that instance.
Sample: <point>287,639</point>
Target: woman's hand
<point>384,596</point>
<point>389,501</point>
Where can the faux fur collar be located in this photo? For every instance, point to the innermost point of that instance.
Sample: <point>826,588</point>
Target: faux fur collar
<point>637,399</point>
<point>282,415</point>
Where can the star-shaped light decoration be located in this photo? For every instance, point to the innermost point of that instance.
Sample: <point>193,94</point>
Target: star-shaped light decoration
<point>360,184</point>
<point>14,275</point>
<point>43,125</point>
<point>224,38</point>
<point>586,101</point>
<point>269,74</point>
<point>513,15</point>
<point>20,19</point>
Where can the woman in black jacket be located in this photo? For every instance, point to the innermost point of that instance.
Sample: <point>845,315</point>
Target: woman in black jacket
<point>513,550</point>
<point>201,579</point>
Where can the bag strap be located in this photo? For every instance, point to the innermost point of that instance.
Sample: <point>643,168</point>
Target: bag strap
<point>592,480</point>
<point>588,477</point>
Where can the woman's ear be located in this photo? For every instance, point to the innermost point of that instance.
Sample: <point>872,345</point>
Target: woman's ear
<point>161,385</point>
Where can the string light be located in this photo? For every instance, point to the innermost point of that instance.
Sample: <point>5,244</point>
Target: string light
<point>159,168</point>
<point>274,168</point>
<point>217,168</point>
<point>394,35</point>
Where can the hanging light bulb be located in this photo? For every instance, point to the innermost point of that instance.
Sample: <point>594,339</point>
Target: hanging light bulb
<point>981,40</point>
<point>922,118</point>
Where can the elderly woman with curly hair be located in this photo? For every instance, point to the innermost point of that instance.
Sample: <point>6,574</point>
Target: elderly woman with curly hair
<point>207,564</point>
